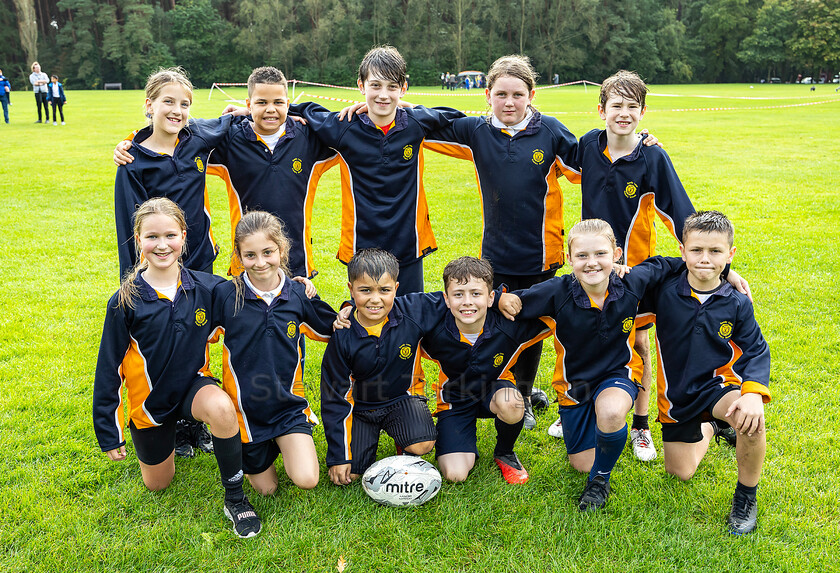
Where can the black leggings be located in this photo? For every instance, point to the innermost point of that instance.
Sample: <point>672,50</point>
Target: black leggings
<point>41,99</point>
<point>60,105</point>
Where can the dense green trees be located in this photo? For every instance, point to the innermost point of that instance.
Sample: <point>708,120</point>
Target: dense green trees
<point>89,42</point>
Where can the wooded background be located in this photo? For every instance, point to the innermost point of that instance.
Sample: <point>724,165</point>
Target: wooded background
<point>91,42</point>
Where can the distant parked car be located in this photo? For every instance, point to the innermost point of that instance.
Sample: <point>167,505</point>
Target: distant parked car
<point>775,80</point>
<point>836,79</point>
<point>809,80</point>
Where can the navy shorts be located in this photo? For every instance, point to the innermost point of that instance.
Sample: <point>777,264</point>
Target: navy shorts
<point>689,431</point>
<point>258,457</point>
<point>580,422</point>
<point>456,427</point>
<point>408,421</point>
<point>154,445</point>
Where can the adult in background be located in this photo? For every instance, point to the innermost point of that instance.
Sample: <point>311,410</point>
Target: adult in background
<point>39,81</point>
<point>5,88</point>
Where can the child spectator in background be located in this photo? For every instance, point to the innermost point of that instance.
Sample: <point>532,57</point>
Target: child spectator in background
<point>55,96</point>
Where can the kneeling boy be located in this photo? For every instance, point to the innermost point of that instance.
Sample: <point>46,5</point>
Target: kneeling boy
<point>475,350</point>
<point>714,363</point>
<point>371,377</point>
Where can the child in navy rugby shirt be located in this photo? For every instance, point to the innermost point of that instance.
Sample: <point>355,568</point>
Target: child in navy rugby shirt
<point>714,364</point>
<point>476,349</point>
<point>597,375</point>
<point>154,342</point>
<point>371,376</point>
<point>263,314</point>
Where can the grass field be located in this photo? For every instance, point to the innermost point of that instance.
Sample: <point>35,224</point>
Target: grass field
<point>772,164</point>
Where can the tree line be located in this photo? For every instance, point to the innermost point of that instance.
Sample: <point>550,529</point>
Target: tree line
<point>90,42</point>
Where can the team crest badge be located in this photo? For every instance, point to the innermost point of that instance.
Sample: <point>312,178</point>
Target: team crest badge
<point>200,317</point>
<point>538,157</point>
<point>291,329</point>
<point>199,164</point>
<point>405,351</point>
<point>725,330</point>
<point>408,152</point>
<point>498,359</point>
<point>630,190</point>
<point>297,165</point>
<point>627,324</point>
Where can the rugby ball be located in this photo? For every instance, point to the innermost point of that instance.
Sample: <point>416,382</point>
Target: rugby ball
<point>401,480</point>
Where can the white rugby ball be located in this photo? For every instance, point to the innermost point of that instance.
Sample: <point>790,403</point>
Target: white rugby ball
<point>401,480</point>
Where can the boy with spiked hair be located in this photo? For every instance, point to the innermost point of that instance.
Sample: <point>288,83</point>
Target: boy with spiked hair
<point>629,184</point>
<point>713,363</point>
<point>371,377</point>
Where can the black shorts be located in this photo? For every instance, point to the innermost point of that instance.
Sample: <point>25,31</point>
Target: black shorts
<point>456,428</point>
<point>407,421</point>
<point>154,445</point>
<point>258,457</point>
<point>689,431</point>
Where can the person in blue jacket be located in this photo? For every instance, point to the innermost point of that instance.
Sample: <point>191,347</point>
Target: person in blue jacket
<point>5,89</point>
<point>55,96</point>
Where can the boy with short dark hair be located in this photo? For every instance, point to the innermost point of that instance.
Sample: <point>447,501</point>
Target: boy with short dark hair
<point>476,349</point>
<point>628,184</point>
<point>371,377</point>
<point>713,363</point>
<point>384,203</point>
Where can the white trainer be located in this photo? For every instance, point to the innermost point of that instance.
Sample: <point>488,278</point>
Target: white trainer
<point>555,430</point>
<point>643,447</point>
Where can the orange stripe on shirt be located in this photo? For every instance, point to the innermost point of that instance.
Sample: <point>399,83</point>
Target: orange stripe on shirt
<point>235,206</point>
<point>318,171</point>
<point>418,378</point>
<point>348,422</point>
<point>230,385</point>
<point>641,236</point>
<point>663,404</point>
<point>425,236</point>
<point>726,372</point>
<point>347,245</point>
<point>553,233</point>
<point>137,384</point>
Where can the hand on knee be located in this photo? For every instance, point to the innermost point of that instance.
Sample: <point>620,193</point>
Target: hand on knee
<point>420,448</point>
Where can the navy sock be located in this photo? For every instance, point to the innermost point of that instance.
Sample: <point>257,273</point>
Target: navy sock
<point>747,490</point>
<point>228,453</point>
<point>506,435</point>
<point>608,448</point>
<point>640,422</point>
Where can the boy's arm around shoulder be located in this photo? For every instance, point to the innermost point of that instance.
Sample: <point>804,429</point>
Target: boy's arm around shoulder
<point>108,422</point>
<point>323,123</point>
<point>543,299</point>
<point>670,197</point>
<point>454,139</point>
<point>336,406</point>
<point>213,131</point>
<point>426,309</point>
<point>435,118</point>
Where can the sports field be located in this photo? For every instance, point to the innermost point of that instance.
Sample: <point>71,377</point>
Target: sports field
<point>772,163</point>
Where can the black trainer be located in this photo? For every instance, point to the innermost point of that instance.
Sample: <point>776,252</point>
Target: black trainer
<point>183,447</point>
<point>743,517</point>
<point>595,494</point>
<point>528,418</point>
<point>725,433</point>
<point>539,399</point>
<point>201,437</point>
<point>246,522</point>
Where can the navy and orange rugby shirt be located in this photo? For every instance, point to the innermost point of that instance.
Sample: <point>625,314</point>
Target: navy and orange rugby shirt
<point>594,344</point>
<point>361,371</point>
<point>469,371</point>
<point>261,355</point>
<point>522,204</point>
<point>383,199</point>
<point>282,183</point>
<point>179,177</point>
<point>156,349</point>
<point>704,347</point>
<point>630,192</point>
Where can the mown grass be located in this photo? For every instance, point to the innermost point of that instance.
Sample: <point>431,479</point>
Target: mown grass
<point>773,170</point>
